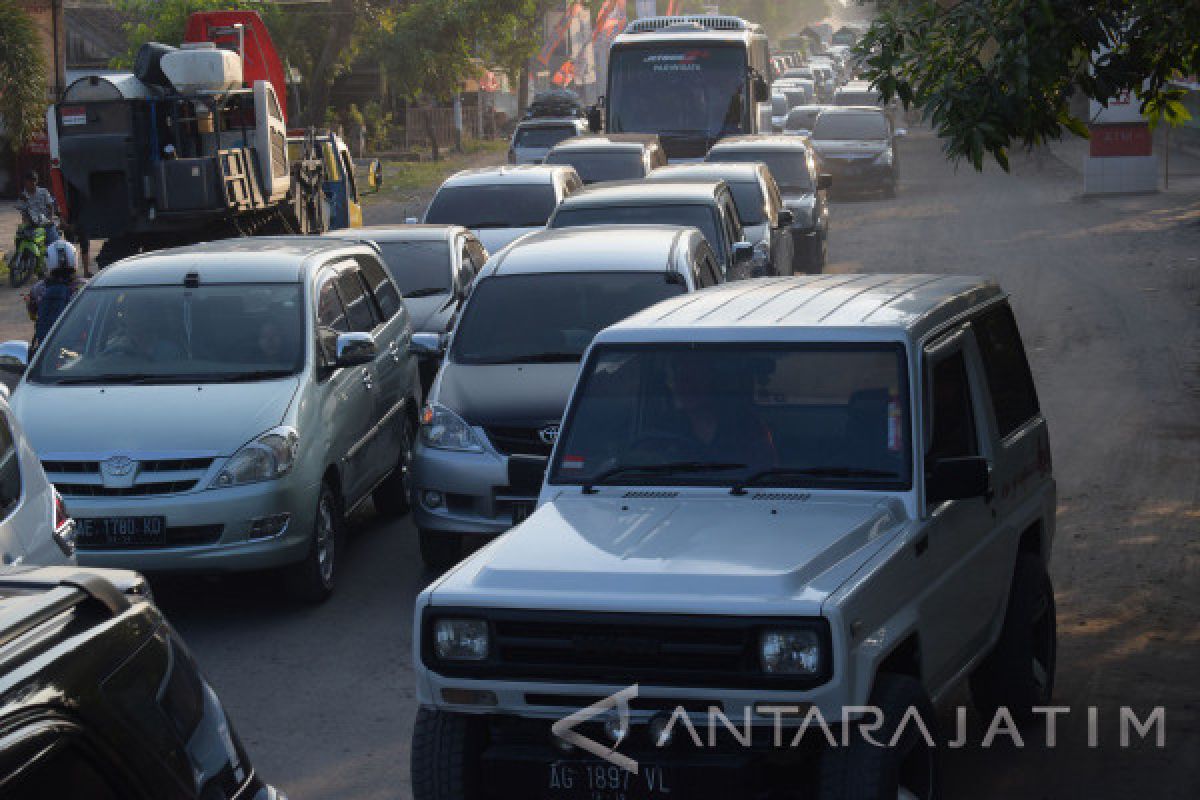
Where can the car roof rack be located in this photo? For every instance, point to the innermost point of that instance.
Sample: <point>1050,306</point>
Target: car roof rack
<point>60,594</point>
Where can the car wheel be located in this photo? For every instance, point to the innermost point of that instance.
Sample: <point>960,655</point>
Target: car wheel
<point>1019,673</point>
<point>393,497</point>
<point>446,751</point>
<point>312,579</point>
<point>20,268</point>
<point>865,770</point>
<point>440,550</point>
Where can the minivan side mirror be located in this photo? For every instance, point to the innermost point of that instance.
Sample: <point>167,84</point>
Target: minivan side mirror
<point>353,349</point>
<point>957,479</point>
<point>743,252</point>
<point>786,218</point>
<point>427,344</point>
<point>824,181</point>
<point>14,356</point>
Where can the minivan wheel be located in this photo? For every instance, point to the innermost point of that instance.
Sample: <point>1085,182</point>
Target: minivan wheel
<point>1019,672</point>
<point>393,497</point>
<point>312,579</point>
<point>440,550</point>
<point>446,751</point>
<point>908,771</point>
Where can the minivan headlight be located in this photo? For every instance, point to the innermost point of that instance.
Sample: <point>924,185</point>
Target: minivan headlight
<point>442,429</point>
<point>461,639</point>
<point>792,651</point>
<point>268,457</point>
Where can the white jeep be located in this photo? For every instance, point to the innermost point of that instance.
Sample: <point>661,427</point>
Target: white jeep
<point>771,505</point>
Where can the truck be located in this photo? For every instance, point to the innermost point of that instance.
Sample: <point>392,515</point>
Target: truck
<point>191,145</point>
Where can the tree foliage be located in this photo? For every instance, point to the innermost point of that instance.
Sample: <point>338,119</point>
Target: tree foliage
<point>22,76</point>
<point>991,73</point>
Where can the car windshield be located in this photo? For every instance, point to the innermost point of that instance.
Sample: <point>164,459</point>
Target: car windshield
<point>779,105</point>
<point>543,137</point>
<point>504,205</point>
<point>678,89</point>
<point>801,119</point>
<point>572,308</point>
<point>750,202</point>
<point>804,415</point>
<point>418,268</point>
<point>789,167</point>
<point>865,126</point>
<point>693,216</point>
<point>596,167</point>
<point>166,334</point>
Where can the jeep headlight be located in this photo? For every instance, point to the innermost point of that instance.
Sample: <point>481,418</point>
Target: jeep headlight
<point>793,651</point>
<point>461,639</point>
<point>884,159</point>
<point>441,428</point>
<point>266,458</point>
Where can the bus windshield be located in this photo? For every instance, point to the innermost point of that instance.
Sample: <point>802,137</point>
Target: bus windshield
<point>678,89</point>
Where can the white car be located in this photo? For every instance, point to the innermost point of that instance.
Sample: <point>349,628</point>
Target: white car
<point>770,503</point>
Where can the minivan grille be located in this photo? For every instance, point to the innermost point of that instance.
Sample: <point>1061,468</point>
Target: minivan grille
<point>137,490</point>
<point>519,441</point>
<point>154,476</point>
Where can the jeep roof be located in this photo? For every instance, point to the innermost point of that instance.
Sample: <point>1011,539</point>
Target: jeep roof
<point>641,193</point>
<point>511,174</point>
<point>608,142</point>
<point>624,248</point>
<point>892,306</point>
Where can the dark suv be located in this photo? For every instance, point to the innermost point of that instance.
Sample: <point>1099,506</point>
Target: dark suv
<point>100,699</point>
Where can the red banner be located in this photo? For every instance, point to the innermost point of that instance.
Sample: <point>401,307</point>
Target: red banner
<point>1125,139</point>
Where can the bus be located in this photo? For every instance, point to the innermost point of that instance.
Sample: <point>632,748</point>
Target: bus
<point>689,79</point>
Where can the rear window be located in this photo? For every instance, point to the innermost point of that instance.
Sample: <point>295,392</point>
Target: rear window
<point>844,98</point>
<point>694,216</point>
<point>542,137</point>
<point>597,167</point>
<point>802,119</point>
<point>788,167</point>
<point>866,125</point>
<point>1006,368</point>
<point>512,205</point>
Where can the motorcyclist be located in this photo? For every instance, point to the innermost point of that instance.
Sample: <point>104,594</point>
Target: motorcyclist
<point>50,296</point>
<point>37,206</point>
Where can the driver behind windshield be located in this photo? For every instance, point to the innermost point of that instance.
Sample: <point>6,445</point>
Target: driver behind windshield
<point>143,335</point>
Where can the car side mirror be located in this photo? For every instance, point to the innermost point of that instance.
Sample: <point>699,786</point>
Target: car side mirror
<point>432,345</point>
<point>786,218</point>
<point>824,181</point>
<point>957,479</point>
<point>352,349</point>
<point>743,252</point>
<point>14,356</point>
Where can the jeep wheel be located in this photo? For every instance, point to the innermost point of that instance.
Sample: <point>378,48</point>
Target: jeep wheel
<point>445,756</point>
<point>440,550</point>
<point>866,771</point>
<point>312,579</point>
<point>1019,673</point>
<point>392,496</point>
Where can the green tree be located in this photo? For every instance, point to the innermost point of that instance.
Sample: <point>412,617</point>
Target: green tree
<point>22,76</point>
<point>991,73</point>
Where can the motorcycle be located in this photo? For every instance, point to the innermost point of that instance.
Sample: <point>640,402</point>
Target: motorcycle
<point>29,251</point>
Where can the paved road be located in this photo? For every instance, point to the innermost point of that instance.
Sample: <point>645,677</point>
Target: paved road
<point>1107,295</point>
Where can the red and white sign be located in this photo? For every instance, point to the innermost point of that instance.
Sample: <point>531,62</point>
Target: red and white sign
<point>1127,139</point>
<point>74,115</point>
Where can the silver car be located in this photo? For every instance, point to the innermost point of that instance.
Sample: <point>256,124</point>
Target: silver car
<point>533,138</point>
<point>223,406</point>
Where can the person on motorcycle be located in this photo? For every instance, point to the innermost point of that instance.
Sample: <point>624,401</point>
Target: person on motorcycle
<point>37,206</point>
<point>50,296</point>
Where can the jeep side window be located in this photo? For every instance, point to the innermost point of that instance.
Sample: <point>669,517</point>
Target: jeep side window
<point>381,287</point>
<point>330,313</point>
<point>358,308</point>
<point>1006,369</point>
<point>953,415</point>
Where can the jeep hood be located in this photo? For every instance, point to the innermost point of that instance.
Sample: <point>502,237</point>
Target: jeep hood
<point>699,554</point>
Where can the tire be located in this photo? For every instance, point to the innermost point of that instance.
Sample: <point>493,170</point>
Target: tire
<point>445,756</point>
<point>393,497</point>
<point>21,268</point>
<point>440,550</point>
<point>1019,672</point>
<point>909,771</point>
<point>312,580</point>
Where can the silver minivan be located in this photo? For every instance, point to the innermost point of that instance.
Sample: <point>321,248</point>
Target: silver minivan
<point>223,406</point>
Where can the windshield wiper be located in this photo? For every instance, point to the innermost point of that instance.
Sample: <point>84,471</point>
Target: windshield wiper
<point>832,471</point>
<point>244,377</point>
<point>669,468</point>
<point>119,377</point>
<point>428,291</point>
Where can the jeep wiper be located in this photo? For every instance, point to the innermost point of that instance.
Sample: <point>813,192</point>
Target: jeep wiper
<point>669,468</point>
<point>832,471</point>
<point>246,377</point>
<point>427,292</point>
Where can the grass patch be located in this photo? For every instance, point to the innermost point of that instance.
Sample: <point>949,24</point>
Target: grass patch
<point>403,178</point>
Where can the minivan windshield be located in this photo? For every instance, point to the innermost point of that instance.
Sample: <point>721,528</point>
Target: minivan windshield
<point>594,167</point>
<point>691,216</point>
<point>740,414</point>
<point>789,167</point>
<point>419,268</point>
<point>571,308</point>
<point>176,334</point>
<point>865,126</point>
<point>505,205</point>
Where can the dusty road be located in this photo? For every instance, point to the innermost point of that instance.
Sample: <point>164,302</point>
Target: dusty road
<point>1108,295</point>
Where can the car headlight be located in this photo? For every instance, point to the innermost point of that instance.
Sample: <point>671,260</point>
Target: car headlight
<point>884,158</point>
<point>442,429</point>
<point>793,651</point>
<point>268,457</point>
<point>461,639</point>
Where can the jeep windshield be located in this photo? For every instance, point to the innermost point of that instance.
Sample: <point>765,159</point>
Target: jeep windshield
<point>511,205</point>
<point>789,166</point>
<point>786,415</point>
<point>594,167</point>
<point>570,308</point>
<point>419,268</point>
<point>176,334</point>
<point>689,216</point>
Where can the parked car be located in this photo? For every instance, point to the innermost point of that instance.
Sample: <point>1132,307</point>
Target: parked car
<point>494,410</point>
<point>857,146</point>
<point>102,700</point>
<point>707,206</point>
<point>821,493</point>
<point>779,110</point>
<point>501,204</point>
<point>533,138</point>
<point>804,190</point>
<point>800,120</point>
<point>223,406</point>
<point>433,267</point>
<point>766,223</point>
<point>610,156</point>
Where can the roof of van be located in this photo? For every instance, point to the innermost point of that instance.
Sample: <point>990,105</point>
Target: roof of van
<point>608,141</point>
<point>625,248</point>
<point>508,174</point>
<point>709,171</point>
<point>398,233</point>
<point>253,259</point>
<point>902,304</point>
<point>761,141</point>
<point>641,193</point>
